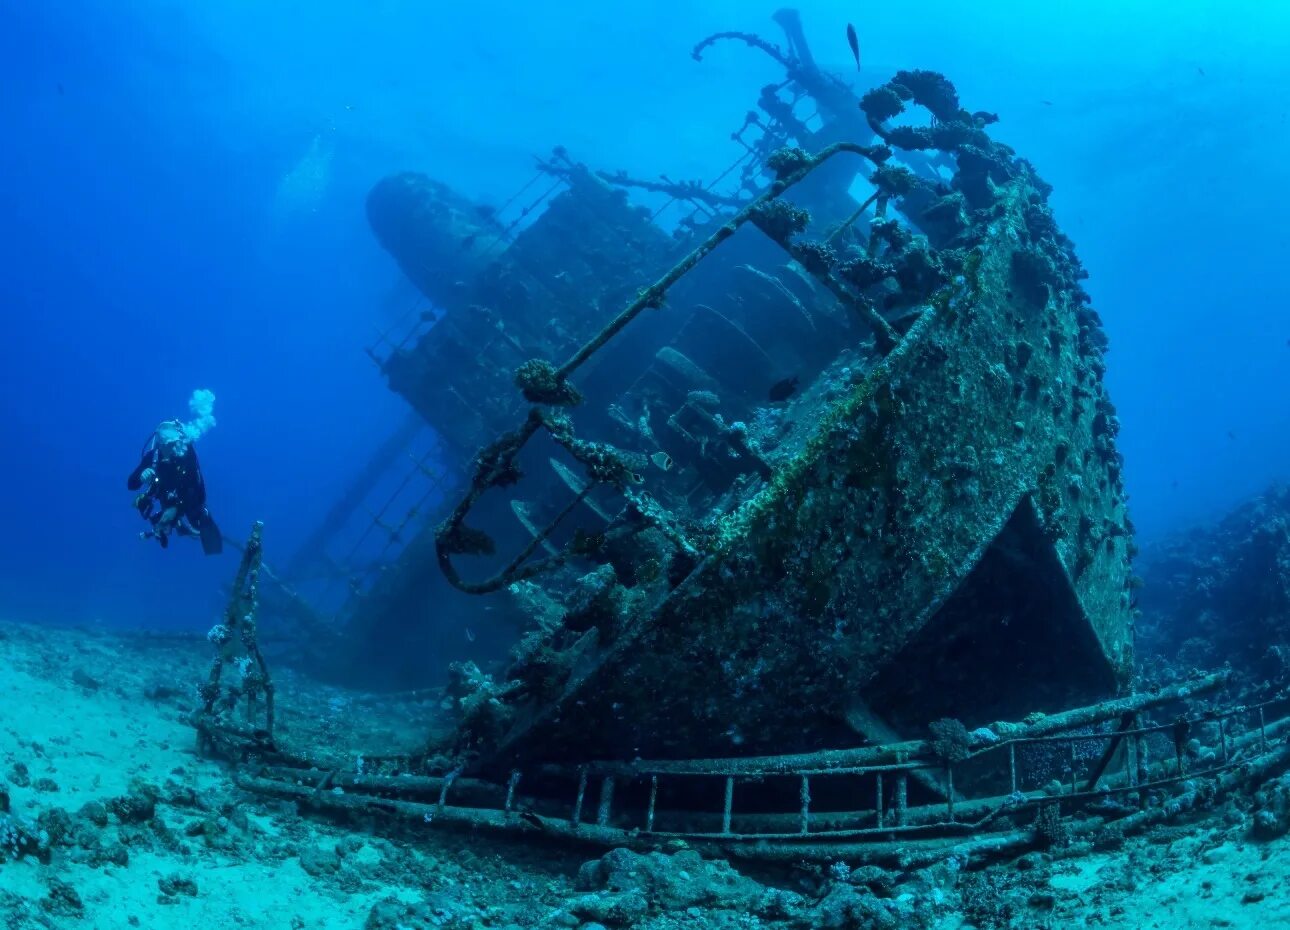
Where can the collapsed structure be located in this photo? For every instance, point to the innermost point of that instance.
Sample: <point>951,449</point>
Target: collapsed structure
<point>828,460</point>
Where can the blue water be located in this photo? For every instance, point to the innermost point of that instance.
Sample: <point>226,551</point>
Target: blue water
<point>182,190</point>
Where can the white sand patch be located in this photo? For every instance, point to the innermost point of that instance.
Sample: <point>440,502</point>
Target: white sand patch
<point>92,739</point>
<point>90,743</point>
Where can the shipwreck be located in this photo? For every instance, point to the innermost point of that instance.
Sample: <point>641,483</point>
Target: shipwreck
<point>931,524</point>
<point>771,472</point>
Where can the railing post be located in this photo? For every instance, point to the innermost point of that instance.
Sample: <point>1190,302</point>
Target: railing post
<point>949,793</point>
<point>653,798</point>
<point>804,796</point>
<point>1222,735</point>
<point>1133,773</point>
<point>1182,726</point>
<point>1263,731</point>
<point>1144,756</point>
<point>443,792</point>
<point>510,790</point>
<point>902,798</point>
<point>728,805</point>
<point>582,794</point>
<point>1139,768</point>
<point>879,801</point>
<point>1074,779</point>
<point>1012,767</point>
<point>606,801</point>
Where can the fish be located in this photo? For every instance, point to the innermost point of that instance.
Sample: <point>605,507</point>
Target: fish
<point>854,41</point>
<point>662,460</point>
<point>783,390</point>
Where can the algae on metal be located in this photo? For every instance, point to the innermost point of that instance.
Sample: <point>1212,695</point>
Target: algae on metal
<point>951,540</point>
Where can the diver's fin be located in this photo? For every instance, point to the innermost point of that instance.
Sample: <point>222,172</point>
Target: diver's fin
<point>212,538</point>
<point>135,480</point>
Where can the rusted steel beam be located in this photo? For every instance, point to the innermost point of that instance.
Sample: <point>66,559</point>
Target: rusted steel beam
<point>903,755</point>
<point>1127,722</point>
<point>471,790</point>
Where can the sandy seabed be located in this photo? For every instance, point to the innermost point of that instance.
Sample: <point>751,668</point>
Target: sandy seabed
<point>138,830</point>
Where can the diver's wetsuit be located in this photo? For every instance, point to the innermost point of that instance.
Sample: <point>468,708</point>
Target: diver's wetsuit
<point>174,499</point>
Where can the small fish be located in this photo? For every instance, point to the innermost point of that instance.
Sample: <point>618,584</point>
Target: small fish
<point>1200,70</point>
<point>470,635</point>
<point>1047,103</point>
<point>662,460</point>
<point>783,390</point>
<point>854,41</point>
<point>1231,434</point>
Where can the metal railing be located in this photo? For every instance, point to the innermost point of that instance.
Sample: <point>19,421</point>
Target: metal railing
<point>888,783</point>
<point>1153,758</point>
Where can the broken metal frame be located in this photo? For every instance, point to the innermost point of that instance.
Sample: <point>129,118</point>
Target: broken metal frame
<point>496,464</point>
<point>415,321</point>
<point>239,627</point>
<point>410,322</point>
<point>704,200</point>
<point>347,568</point>
<point>420,466</point>
<point>809,81</point>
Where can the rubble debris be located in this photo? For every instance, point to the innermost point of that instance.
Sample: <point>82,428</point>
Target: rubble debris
<point>62,900</point>
<point>139,806</point>
<point>172,886</point>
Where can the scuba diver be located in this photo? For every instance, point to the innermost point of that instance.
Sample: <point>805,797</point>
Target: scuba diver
<point>173,496</point>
